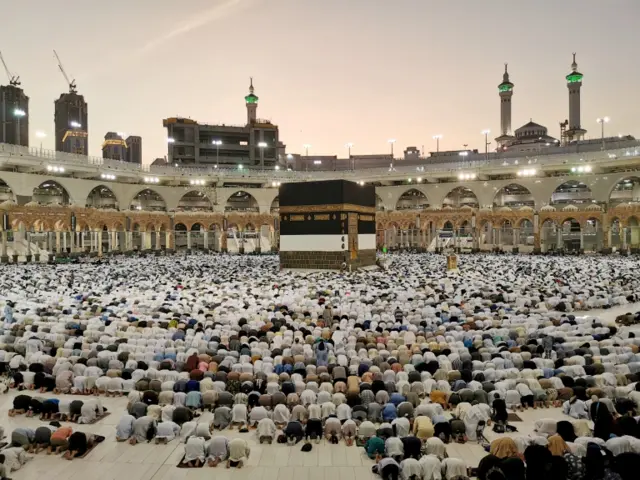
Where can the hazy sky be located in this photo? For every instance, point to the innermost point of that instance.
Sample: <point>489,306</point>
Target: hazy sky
<point>326,71</point>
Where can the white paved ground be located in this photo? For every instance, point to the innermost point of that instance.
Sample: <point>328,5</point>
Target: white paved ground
<point>117,461</point>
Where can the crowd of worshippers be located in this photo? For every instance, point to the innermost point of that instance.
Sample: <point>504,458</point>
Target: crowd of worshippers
<point>236,336</point>
<point>52,438</point>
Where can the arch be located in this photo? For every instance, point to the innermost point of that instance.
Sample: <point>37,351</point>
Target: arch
<point>459,197</point>
<point>513,195</point>
<point>6,193</point>
<point>149,200</point>
<point>195,201</point>
<point>412,199</point>
<point>241,201</point>
<point>625,190</point>
<point>180,227</point>
<point>448,226</point>
<point>50,192</point>
<point>572,191</point>
<point>275,205</point>
<point>197,227</point>
<point>101,197</point>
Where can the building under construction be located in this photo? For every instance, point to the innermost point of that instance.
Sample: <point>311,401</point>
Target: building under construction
<point>71,119</point>
<point>14,111</point>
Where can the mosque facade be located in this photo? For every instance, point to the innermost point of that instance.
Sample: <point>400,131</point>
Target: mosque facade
<point>582,202</point>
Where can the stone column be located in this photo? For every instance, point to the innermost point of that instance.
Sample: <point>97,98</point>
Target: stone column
<point>72,239</point>
<point>581,240</point>
<point>99,239</point>
<point>143,240</point>
<point>57,242</point>
<point>624,238</point>
<point>169,240</point>
<point>223,241</point>
<point>516,237</point>
<point>206,240</point>
<point>64,241</point>
<point>188,239</point>
<point>158,240</point>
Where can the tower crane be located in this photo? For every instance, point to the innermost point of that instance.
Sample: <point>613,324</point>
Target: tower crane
<point>71,83</point>
<point>13,80</point>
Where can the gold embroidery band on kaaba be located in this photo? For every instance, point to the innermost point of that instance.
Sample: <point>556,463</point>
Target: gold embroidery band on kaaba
<point>338,207</point>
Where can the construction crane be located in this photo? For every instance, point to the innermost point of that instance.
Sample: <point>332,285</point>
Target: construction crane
<point>13,80</point>
<point>71,83</point>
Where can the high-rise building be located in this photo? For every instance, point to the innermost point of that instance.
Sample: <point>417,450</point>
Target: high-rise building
<point>134,149</point>
<point>114,147</point>
<point>254,144</point>
<point>14,115</point>
<point>71,124</point>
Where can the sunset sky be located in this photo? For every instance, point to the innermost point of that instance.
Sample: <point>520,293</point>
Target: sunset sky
<point>326,71</point>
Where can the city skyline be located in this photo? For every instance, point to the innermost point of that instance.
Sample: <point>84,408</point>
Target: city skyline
<point>379,71</point>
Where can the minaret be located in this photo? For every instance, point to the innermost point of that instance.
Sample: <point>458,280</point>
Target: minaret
<point>252,104</point>
<point>505,90</point>
<point>574,84</point>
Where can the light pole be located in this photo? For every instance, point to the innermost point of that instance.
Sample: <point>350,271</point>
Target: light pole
<point>41,135</point>
<point>391,142</point>
<point>217,143</point>
<point>262,146</point>
<point>18,113</point>
<point>486,143</point>
<point>349,145</point>
<point>437,139</point>
<point>602,121</point>
<point>306,154</point>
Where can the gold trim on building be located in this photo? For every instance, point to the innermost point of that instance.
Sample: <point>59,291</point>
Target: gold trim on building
<point>336,207</point>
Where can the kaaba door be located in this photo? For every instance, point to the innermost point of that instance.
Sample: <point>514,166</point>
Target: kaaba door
<point>353,236</point>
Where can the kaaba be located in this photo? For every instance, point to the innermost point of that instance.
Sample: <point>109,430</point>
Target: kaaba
<point>327,225</point>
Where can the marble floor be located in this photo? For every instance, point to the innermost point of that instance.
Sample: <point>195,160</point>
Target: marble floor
<point>117,461</point>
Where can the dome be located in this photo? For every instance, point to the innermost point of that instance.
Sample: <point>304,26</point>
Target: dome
<point>526,208</point>
<point>531,130</point>
<point>594,208</point>
<point>504,209</point>
<point>548,208</point>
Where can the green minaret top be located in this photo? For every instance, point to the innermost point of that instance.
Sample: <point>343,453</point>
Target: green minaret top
<point>575,76</point>
<point>506,85</point>
<point>251,98</point>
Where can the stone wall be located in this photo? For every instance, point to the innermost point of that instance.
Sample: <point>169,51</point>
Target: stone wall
<point>325,260</point>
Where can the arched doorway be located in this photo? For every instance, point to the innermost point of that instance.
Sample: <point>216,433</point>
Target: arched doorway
<point>633,233</point>
<point>525,233</point>
<point>197,237</point>
<point>625,191</point>
<point>592,235</point>
<point>195,201</point>
<point>180,236</point>
<point>102,197</point>
<point>6,194</point>
<point>412,199</point>
<point>148,200</point>
<point>136,237</point>
<point>275,206</point>
<point>460,197</point>
<point>513,196</point>
<point>548,236</point>
<point>214,237</point>
<point>573,191</point>
<point>241,202</point>
<point>51,192</point>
